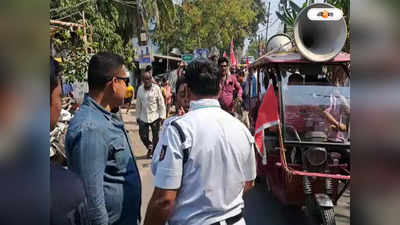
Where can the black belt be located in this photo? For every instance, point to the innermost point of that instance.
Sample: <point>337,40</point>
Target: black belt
<point>231,220</point>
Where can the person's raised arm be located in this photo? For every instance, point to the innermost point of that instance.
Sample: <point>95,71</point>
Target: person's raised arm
<point>333,121</point>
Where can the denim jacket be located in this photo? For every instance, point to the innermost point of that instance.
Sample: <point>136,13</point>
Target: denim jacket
<point>99,151</point>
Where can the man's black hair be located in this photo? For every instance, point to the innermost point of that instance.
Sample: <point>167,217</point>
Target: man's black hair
<point>146,72</point>
<point>148,68</point>
<point>100,70</point>
<point>55,69</point>
<point>223,59</point>
<point>202,77</point>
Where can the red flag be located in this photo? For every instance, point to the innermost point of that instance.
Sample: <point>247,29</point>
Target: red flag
<point>247,61</point>
<point>232,54</point>
<point>225,54</point>
<point>267,117</point>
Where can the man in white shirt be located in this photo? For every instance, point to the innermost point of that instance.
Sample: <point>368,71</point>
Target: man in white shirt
<point>150,111</point>
<point>204,162</point>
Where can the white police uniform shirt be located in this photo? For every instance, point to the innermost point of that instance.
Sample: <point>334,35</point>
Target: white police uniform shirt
<point>221,159</point>
<point>166,123</point>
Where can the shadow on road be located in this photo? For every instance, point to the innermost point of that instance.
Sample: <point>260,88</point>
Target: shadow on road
<point>263,208</point>
<point>341,218</point>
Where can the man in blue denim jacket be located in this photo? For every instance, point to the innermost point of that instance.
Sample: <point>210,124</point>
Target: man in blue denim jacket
<point>98,147</point>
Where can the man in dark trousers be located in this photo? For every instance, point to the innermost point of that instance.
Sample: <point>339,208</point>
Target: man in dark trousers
<point>150,111</point>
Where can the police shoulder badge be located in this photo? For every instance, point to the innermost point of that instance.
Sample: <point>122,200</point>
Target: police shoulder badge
<point>162,153</point>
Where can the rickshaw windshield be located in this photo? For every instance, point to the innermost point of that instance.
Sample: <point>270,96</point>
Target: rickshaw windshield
<point>315,110</point>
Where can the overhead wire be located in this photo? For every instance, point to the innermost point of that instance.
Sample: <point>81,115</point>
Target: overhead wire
<point>61,13</point>
<point>130,4</point>
<point>69,15</point>
<point>271,24</point>
<point>69,7</point>
<point>66,11</point>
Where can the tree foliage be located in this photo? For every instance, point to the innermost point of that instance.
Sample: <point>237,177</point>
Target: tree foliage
<point>113,24</point>
<point>161,12</point>
<point>107,35</point>
<point>253,48</point>
<point>258,6</point>
<point>344,5</point>
<point>208,23</point>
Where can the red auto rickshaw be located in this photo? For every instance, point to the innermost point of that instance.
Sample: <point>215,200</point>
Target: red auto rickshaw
<point>305,160</point>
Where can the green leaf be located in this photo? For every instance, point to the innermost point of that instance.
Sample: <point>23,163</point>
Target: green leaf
<point>282,17</point>
<point>295,7</point>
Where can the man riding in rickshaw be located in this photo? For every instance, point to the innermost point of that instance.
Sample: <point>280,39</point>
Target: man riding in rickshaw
<point>302,129</point>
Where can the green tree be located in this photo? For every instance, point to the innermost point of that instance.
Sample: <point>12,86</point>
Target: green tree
<point>344,5</point>
<point>162,12</point>
<point>113,23</point>
<point>123,14</point>
<point>260,10</point>
<point>70,44</point>
<point>208,23</point>
<point>252,50</point>
<point>254,46</point>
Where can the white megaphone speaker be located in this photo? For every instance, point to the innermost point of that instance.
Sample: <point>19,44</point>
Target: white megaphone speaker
<point>280,43</point>
<point>320,32</point>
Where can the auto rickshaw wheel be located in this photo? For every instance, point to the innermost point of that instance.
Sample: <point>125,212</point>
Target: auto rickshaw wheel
<point>322,215</point>
<point>328,216</point>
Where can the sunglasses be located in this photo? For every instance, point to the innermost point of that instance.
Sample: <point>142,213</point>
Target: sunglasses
<point>223,65</point>
<point>125,79</point>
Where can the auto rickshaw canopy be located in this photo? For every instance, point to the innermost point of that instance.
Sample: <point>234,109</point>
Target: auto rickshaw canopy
<point>295,57</point>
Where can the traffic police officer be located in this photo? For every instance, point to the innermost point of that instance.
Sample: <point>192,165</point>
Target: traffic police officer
<point>204,162</point>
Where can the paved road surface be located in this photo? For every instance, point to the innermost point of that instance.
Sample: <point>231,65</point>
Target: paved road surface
<point>261,207</point>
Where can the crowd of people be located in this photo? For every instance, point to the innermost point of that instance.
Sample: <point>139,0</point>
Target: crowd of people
<point>196,137</point>
<point>158,100</point>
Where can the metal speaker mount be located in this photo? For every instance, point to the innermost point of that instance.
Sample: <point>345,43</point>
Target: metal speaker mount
<point>319,40</point>
<point>280,42</point>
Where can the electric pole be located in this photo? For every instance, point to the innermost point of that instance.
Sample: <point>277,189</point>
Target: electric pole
<point>266,30</point>
<point>259,45</point>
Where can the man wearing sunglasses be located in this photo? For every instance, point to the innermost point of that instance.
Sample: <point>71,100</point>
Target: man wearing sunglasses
<point>98,148</point>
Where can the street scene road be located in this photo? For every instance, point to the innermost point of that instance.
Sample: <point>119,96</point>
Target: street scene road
<point>261,207</point>
<point>267,84</point>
